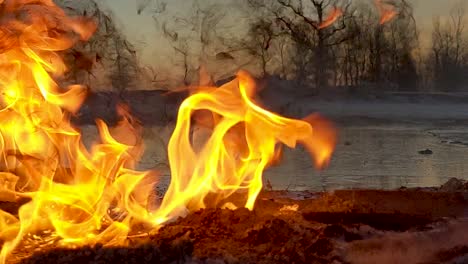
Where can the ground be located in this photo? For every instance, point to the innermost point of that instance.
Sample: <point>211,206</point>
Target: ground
<point>347,226</point>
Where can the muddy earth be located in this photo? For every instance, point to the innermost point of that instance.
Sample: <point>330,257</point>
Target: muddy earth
<point>347,226</point>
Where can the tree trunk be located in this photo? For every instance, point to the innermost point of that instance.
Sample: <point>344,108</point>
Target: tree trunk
<point>320,56</point>
<point>377,56</point>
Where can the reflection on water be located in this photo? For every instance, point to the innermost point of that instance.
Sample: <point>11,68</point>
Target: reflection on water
<point>382,157</point>
<point>366,157</point>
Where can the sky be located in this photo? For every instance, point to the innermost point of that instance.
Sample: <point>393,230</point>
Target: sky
<point>142,29</point>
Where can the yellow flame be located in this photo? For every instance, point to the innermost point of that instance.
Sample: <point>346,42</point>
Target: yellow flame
<point>242,144</point>
<point>85,197</point>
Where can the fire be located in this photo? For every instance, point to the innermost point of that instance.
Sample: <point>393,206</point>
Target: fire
<point>84,197</point>
<point>243,143</point>
<point>386,10</point>
<point>332,17</point>
<point>88,196</point>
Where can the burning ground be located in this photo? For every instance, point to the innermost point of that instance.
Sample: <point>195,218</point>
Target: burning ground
<point>360,226</point>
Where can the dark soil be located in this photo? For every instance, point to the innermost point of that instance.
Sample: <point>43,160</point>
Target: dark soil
<point>389,222</point>
<point>320,228</point>
<point>143,254</point>
<point>451,254</point>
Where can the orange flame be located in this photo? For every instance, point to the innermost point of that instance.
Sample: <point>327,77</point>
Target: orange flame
<point>332,17</point>
<point>387,11</point>
<point>243,142</point>
<point>85,197</point>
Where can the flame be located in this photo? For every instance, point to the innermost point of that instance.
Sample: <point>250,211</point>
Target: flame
<point>86,196</point>
<point>387,11</point>
<point>243,142</point>
<point>332,17</point>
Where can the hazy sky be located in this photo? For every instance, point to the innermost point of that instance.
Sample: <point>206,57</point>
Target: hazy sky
<point>141,29</point>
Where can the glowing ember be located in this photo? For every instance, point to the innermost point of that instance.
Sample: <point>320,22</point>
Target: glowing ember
<point>386,10</point>
<point>332,17</point>
<point>84,197</point>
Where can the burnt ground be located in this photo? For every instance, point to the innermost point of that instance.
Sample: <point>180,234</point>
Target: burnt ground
<point>347,226</point>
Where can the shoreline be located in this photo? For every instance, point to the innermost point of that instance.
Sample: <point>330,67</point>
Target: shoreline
<point>158,108</point>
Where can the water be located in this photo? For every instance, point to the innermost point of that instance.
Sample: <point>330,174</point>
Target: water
<point>380,157</point>
<point>383,157</point>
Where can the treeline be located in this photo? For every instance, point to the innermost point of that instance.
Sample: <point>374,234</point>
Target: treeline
<point>108,60</point>
<point>325,43</point>
<point>370,46</point>
<point>320,44</point>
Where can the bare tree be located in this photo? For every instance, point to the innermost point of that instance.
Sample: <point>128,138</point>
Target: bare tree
<point>403,43</point>
<point>108,46</point>
<point>393,46</point>
<point>450,50</point>
<point>259,43</point>
<point>192,37</point>
<point>154,78</point>
<point>377,55</point>
<point>182,49</point>
<point>303,21</point>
